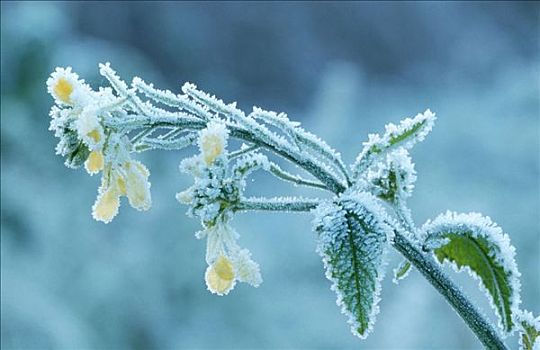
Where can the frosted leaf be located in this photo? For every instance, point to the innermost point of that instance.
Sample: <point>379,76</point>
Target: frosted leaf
<point>393,181</point>
<point>120,86</point>
<point>175,144</point>
<point>212,102</point>
<point>169,98</point>
<point>76,152</point>
<point>409,132</point>
<point>249,163</point>
<point>474,243</point>
<point>401,271</point>
<point>352,239</point>
<point>529,327</point>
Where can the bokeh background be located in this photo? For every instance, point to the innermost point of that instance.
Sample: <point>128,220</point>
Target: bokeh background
<point>343,70</point>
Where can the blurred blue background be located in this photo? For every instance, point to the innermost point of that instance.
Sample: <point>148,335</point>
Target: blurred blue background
<point>344,70</point>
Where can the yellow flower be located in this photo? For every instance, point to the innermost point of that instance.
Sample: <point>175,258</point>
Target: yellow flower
<point>137,187</point>
<point>94,163</point>
<point>227,262</point>
<point>185,197</point>
<point>107,204</point>
<point>61,85</point>
<point>121,185</point>
<point>219,276</point>
<point>90,129</point>
<point>94,135</point>
<point>213,141</point>
<point>63,90</point>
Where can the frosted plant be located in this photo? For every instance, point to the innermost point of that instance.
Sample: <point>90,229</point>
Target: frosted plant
<point>362,213</point>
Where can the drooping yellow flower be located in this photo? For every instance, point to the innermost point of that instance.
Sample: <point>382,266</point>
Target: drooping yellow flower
<point>213,141</point>
<point>137,186</point>
<point>121,185</point>
<point>107,204</point>
<point>219,276</point>
<point>227,262</point>
<point>94,163</point>
<point>95,135</point>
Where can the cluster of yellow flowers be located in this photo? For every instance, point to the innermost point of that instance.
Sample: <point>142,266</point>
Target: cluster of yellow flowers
<point>227,261</point>
<point>108,152</point>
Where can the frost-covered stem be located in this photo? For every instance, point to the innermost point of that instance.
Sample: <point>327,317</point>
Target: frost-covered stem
<point>277,204</point>
<point>241,152</point>
<point>143,121</point>
<point>305,163</point>
<point>426,264</point>
<point>404,215</point>
<point>278,172</point>
<point>142,134</point>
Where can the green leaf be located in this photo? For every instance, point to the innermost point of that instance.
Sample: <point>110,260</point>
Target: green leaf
<point>409,132</point>
<point>529,337</point>
<point>77,156</point>
<point>402,271</point>
<point>352,240</point>
<point>474,243</point>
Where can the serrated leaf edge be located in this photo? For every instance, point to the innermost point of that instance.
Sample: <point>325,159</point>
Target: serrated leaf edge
<point>370,205</point>
<point>482,226</point>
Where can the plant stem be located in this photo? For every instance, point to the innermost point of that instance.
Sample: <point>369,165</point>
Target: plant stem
<point>278,204</point>
<point>425,263</point>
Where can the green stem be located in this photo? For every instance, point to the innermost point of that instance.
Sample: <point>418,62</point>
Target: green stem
<point>282,174</point>
<point>277,204</point>
<point>425,263</point>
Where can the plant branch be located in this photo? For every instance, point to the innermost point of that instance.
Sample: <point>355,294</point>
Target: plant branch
<point>287,204</point>
<point>425,263</point>
<point>282,174</point>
